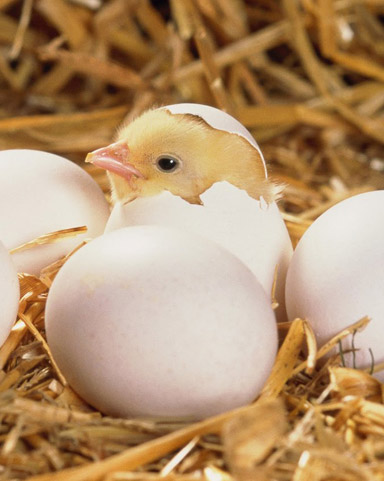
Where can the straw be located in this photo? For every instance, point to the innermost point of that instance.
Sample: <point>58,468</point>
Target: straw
<point>307,79</point>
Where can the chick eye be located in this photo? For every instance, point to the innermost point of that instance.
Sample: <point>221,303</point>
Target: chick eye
<point>167,164</point>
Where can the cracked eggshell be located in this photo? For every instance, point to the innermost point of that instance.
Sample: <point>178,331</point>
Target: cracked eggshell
<point>336,276</point>
<point>10,292</point>
<point>254,231</point>
<point>152,321</point>
<point>217,119</point>
<point>42,193</point>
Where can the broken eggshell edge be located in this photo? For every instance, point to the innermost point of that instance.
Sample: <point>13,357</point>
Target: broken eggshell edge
<point>252,230</point>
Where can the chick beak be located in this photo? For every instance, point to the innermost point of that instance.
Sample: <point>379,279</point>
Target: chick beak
<point>114,158</point>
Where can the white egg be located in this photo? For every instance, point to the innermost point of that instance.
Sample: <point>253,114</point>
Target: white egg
<point>10,292</point>
<point>336,275</point>
<point>42,193</point>
<point>254,231</point>
<point>149,320</point>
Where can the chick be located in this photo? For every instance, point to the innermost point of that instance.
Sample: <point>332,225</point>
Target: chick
<point>180,153</point>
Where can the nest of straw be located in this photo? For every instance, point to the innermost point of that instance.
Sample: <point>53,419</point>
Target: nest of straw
<point>306,78</point>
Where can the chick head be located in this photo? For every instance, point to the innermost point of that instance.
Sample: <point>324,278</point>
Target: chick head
<point>180,153</point>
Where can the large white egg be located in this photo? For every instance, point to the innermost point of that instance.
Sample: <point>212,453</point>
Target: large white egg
<point>9,293</point>
<point>151,321</point>
<point>254,231</point>
<point>42,193</point>
<point>336,275</point>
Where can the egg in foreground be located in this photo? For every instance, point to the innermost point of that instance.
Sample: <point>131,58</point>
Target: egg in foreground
<point>42,193</point>
<point>252,230</point>
<point>336,276</point>
<point>9,293</point>
<point>151,321</point>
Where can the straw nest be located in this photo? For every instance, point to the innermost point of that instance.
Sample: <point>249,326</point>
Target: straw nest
<point>306,77</point>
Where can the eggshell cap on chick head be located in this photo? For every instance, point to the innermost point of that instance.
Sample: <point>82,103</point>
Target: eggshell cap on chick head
<point>217,119</point>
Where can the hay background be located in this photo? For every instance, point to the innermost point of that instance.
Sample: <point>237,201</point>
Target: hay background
<point>307,79</point>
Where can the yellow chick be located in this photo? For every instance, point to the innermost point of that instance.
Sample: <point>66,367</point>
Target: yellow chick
<point>183,154</point>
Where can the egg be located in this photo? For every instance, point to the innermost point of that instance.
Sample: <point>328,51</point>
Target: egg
<point>42,193</point>
<point>252,230</point>
<point>152,321</point>
<point>10,292</point>
<point>336,275</point>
